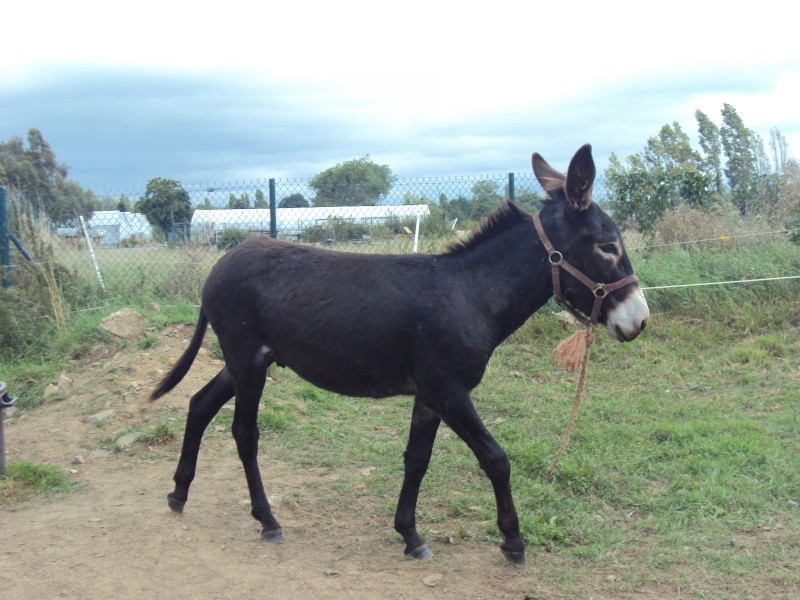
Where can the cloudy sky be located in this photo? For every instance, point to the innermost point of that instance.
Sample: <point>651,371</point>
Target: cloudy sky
<point>212,92</point>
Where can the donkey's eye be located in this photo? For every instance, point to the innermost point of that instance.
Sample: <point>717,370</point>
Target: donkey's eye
<point>611,248</point>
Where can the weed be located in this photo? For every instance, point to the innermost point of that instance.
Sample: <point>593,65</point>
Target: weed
<point>148,342</point>
<point>161,432</point>
<point>24,479</point>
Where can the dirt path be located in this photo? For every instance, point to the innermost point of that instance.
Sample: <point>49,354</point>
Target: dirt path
<point>116,538</point>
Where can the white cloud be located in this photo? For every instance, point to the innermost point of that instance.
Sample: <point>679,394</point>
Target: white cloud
<point>285,89</point>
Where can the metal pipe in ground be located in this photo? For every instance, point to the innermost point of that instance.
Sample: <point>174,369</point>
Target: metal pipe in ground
<point>6,401</point>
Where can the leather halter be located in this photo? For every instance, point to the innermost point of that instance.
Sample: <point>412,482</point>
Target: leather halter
<point>600,290</point>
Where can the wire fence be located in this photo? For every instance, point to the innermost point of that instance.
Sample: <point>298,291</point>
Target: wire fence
<point>124,253</point>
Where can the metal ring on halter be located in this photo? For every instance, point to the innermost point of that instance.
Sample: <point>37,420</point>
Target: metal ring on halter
<point>600,290</point>
<point>553,260</point>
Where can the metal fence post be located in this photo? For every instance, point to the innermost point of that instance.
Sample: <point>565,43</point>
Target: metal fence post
<point>273,210</point>
<point>6,401</point>
<point>511,187</point>
<point>5,255</point>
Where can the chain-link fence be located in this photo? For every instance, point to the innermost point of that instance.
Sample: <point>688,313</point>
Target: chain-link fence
<point>127,253</point>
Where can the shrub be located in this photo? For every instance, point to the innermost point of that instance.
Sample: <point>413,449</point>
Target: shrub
<point>231,237</point>
<point>337,229</point>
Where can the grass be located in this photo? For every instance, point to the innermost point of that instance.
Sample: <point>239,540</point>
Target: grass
<point>682,446</point>
<point>25,479</point>
<point>681,475</point>
<point>33,367</point>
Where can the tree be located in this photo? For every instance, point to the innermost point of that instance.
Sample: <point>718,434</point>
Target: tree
<point>261,201</point>
<point>69,201</point>
<point>777,144</point>
<point>242,201</point>
<point>484,198</point>
<point>787,208</point>
<point>357,182</point>
<point>670,150</point>
<point>712,149</point>
<point>665,174</point>
<point>741,151</point>
<point>36,176</point>
<point>205,204</point>
<point>527,199</point>
<point>165,203</point>
<point>293,201</point>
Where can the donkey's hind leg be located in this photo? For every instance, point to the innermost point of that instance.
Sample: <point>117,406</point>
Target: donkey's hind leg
<point>249,383</point>
<point>202,408</point>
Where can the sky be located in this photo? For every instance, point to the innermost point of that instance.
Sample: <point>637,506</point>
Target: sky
<point>218,92</point>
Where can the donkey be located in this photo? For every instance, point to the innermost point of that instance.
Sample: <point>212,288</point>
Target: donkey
<point>375,326</point>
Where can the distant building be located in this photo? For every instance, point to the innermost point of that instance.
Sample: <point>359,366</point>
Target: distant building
<point>292,222</point>
<point>111,227</point>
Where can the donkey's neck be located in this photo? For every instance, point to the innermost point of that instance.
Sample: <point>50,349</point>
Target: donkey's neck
<point>506,277</point>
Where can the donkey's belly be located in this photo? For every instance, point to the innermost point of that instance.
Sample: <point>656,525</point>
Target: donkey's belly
<point>351,381</point>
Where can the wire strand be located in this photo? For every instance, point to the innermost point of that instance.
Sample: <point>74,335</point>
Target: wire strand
<point>720,238</point>
<point>686,285</point>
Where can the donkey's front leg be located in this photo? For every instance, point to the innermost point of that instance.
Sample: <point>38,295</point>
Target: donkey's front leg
<point>461,416</point>
<point>424,424</point>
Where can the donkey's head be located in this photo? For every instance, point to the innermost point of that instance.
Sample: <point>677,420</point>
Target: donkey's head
<point>585,239</point>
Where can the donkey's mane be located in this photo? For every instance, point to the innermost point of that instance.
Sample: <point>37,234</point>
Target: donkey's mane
<point>505,217</point>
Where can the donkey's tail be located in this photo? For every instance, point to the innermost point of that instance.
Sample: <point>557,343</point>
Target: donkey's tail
<point>178,372</point>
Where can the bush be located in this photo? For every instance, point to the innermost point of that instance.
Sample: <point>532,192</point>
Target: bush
<point>336,229</point>
<point>231,237</point>
<point>686,224</point>
<point>42,292</point>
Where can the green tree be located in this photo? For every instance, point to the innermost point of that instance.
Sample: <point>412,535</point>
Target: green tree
<point>459,208</point>
<point>36,176</point>
<point>743,154</point>
<point>484,198</point>
<point>665,174</point>
<point>261,200</point>
<point>711,146</point>
<point>242,201</point>
<point>70,200</point>
<point>527,199</point>
<point>357,182</point>
<point>205,204</point>
<point>293,201</point>
<point>777,143</point>
<point>165,203</point>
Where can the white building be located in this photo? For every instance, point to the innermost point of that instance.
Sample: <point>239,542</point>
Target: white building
<point>112,226</point>
<point>292,222</point>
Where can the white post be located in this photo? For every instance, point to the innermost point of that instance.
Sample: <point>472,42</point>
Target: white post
<point>91,252</point>
<point>416,235</point>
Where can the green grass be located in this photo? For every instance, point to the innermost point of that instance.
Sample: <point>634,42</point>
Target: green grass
<point>681,446</point>
<point>34,366</point>
<point>25,479</point>
<point>687,438</point>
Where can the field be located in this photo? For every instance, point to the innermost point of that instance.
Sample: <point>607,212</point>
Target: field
<point>680,480</point>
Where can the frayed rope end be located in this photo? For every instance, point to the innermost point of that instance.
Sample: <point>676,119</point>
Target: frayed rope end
<point>572,350</point>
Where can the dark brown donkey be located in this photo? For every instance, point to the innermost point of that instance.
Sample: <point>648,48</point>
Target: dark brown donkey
<point>383,325</point>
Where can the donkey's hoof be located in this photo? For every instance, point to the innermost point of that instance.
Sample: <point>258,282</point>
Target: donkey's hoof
<point>272,537</point>
<point>517,558</point>
<point>175,505</point>
<point>421,552</point>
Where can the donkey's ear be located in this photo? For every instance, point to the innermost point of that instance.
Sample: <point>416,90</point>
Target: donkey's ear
<point>552,181</point>
<point>580,178</point>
